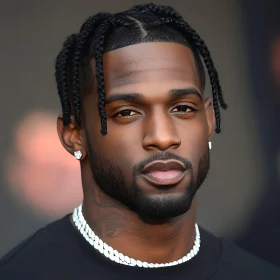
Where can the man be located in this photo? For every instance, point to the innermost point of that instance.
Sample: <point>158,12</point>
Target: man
<point>134,114</point>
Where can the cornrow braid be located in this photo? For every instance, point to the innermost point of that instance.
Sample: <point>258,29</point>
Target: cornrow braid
<point>86,31</point>
<point>213,75</point>
<point>158,10</point>
<point>110,23</point>
<point>169,16</point>
<point>100,76</point>
<point>61,75</point>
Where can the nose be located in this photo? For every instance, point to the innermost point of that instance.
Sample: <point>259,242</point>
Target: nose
<point>160,133</point>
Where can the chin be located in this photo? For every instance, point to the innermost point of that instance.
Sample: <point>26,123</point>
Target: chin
<point>163,206</point>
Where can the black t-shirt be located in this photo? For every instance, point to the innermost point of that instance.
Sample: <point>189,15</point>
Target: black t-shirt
<point>59,252</point>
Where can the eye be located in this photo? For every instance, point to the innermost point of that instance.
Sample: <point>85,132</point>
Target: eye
<point>126,113</point>
<point>183,109</point>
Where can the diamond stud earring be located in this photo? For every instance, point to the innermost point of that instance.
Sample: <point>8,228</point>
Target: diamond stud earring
<point>78,154</point>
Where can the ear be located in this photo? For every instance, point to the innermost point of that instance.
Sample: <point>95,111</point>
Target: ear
<point>70,136</point>
<point>210,117</point>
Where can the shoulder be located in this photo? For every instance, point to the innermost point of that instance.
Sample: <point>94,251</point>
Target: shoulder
<point>240,264</point>
<point>31,257</point>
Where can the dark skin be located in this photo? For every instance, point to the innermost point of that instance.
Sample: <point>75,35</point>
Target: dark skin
<point>152,123</point>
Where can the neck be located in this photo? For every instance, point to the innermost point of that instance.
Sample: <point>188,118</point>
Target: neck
<point>124,231</point>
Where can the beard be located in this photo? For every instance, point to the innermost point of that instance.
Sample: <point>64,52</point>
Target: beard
<point>151,208</point>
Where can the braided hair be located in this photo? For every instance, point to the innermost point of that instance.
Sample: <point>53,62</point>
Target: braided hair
<point>105,32</point>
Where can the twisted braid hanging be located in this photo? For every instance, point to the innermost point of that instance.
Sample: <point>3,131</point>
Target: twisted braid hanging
<point>104,28</point>
<point>86,32</point>
<point>61,75</point>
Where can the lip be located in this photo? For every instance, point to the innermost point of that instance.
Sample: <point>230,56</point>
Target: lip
<point>164,173</point>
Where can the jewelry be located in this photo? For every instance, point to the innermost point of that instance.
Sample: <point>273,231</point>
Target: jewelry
<point>210,145</point>
<point>78,154</point>
<point>114,255</point>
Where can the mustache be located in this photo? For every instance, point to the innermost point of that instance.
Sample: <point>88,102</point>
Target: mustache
<point>162,156</point>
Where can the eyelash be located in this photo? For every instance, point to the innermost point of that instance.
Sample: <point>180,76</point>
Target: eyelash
<point>188,108</point>
<point>126,110</point>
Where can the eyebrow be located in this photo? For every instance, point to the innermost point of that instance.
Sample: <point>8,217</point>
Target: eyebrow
<point>134,97</point>
<point>125,97</point>
<point>177,93</point>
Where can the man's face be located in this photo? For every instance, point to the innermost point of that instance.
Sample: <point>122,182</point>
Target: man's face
<point>155,155</point>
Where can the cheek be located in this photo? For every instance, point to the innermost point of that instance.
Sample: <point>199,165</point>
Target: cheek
<point>120,145</point>
<point>194,138</point>
<point>122,140</point>
<point>120,150</point>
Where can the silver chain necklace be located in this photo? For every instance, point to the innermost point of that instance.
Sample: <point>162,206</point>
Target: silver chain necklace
<point>114,255</point>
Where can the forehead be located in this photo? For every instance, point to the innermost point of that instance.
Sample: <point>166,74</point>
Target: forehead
<point>155,62</point>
